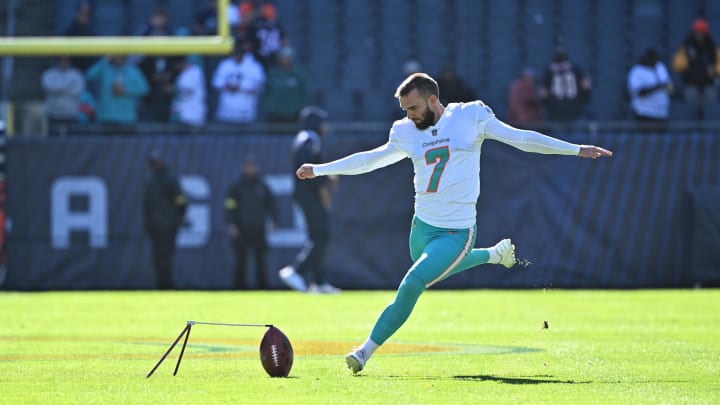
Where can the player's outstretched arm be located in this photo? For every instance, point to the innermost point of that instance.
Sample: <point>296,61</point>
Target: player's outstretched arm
<point>593,152</point>
<point>357,163</point>
<point>531,141</point>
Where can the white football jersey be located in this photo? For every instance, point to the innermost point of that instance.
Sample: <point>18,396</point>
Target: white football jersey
<point>446,159</point>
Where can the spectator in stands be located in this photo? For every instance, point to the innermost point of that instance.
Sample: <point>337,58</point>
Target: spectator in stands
<point>286,89</point>
<point>240,80</point>
<point>523,99</point>
<point>87,107</point>
<point>248,205</point>
<point>157,71</point>
<point>565,89</point>
<point>157,25</point>
<point>189,104</point>
<point>81,26</point>
<point>63,86</point>
<point>164,206</point>
<point>205,22</point>
<point>267,34</point>
<point>206,19</point>
<point>455,90</point>
<point>648,85</point>
<point>698,64</point>
<point>249,10</point>
<point>120,86</point>
<point>193,58</point>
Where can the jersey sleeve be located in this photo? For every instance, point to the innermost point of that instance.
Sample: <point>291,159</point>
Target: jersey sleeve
<point>528,141</point>
<point>481,114</point>
<point>362,162</point>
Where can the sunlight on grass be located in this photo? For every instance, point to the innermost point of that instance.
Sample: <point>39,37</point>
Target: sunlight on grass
<point>457,347</point>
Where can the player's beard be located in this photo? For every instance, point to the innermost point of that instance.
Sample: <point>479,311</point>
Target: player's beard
<point>428,119</point>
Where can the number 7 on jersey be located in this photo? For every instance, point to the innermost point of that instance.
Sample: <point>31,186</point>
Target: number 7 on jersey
<point>438,157</point>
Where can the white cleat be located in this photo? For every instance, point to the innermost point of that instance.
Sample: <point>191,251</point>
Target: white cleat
<point>324,288</point>
<point>356,360</point>
<point>506,250</point>
<point>327,288</point>
<point>292,279</point>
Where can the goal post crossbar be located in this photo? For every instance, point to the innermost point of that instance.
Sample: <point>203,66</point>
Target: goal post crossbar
<point>222,43</point>
<point>74,46</point>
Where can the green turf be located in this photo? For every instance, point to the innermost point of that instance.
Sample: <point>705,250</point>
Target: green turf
<point>459,347</point>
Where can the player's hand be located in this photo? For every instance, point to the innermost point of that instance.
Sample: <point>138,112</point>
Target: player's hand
<point>305,172</point>
<point>593,152</point>
<point>118,89</point>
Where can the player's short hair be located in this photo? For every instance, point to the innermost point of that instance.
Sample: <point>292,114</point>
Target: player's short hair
<point>424,84</point>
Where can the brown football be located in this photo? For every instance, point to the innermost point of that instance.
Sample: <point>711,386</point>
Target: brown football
<point>276,353</point>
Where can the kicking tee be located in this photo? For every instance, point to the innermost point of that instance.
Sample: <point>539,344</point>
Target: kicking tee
<point>446,159</point>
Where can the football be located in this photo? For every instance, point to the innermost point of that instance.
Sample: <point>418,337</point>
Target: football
<point>276,353</point>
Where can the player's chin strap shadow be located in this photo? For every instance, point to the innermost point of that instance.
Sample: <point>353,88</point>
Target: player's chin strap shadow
<point>186,333</point>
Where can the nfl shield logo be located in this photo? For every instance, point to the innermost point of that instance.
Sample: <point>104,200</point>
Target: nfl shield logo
<point>434,132</point>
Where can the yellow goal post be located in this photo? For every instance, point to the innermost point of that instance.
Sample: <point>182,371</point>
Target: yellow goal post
<point>219,44</point>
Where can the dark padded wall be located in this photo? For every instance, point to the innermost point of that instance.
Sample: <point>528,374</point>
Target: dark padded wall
<point>619,222</point>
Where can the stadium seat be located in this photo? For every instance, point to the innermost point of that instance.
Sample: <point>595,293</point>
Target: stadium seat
<point>110,19</point>
<point>681,111</point>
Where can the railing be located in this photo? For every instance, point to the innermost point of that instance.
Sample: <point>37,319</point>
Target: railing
<point>356,127</point>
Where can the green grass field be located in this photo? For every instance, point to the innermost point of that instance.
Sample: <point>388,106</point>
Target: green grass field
<point>459,347</point>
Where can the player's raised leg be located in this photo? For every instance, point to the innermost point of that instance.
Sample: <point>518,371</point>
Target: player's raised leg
<point>502,253</point>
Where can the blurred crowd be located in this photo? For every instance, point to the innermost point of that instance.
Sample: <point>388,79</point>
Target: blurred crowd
<point>562,91</point>
<point>258,81</point>
<point>261,81</point>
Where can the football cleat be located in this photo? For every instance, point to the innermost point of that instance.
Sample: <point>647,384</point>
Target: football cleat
<point>327,288</point>
<point>292,279</point>
<point>506,250</point>
<point>356,360</point>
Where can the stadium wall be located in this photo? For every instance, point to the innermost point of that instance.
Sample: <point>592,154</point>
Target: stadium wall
<point>636,220</point>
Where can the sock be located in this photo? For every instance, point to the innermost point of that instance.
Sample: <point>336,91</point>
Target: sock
<point>369,347</point>
<point>494,256</point>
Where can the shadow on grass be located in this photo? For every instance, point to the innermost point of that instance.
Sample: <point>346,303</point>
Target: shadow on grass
<point>541,379</point>
<point>529,380</point>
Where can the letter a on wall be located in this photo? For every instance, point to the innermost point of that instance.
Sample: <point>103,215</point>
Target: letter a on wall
<point>92,218</point>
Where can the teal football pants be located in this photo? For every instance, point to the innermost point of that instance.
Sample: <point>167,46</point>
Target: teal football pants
<point>438,253</point>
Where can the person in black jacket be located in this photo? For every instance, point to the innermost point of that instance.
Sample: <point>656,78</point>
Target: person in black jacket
<point>82,26</point>
<point>308,272</point>
<point>164,209</point>
<point>249,203</point>
<point>697,62</point>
